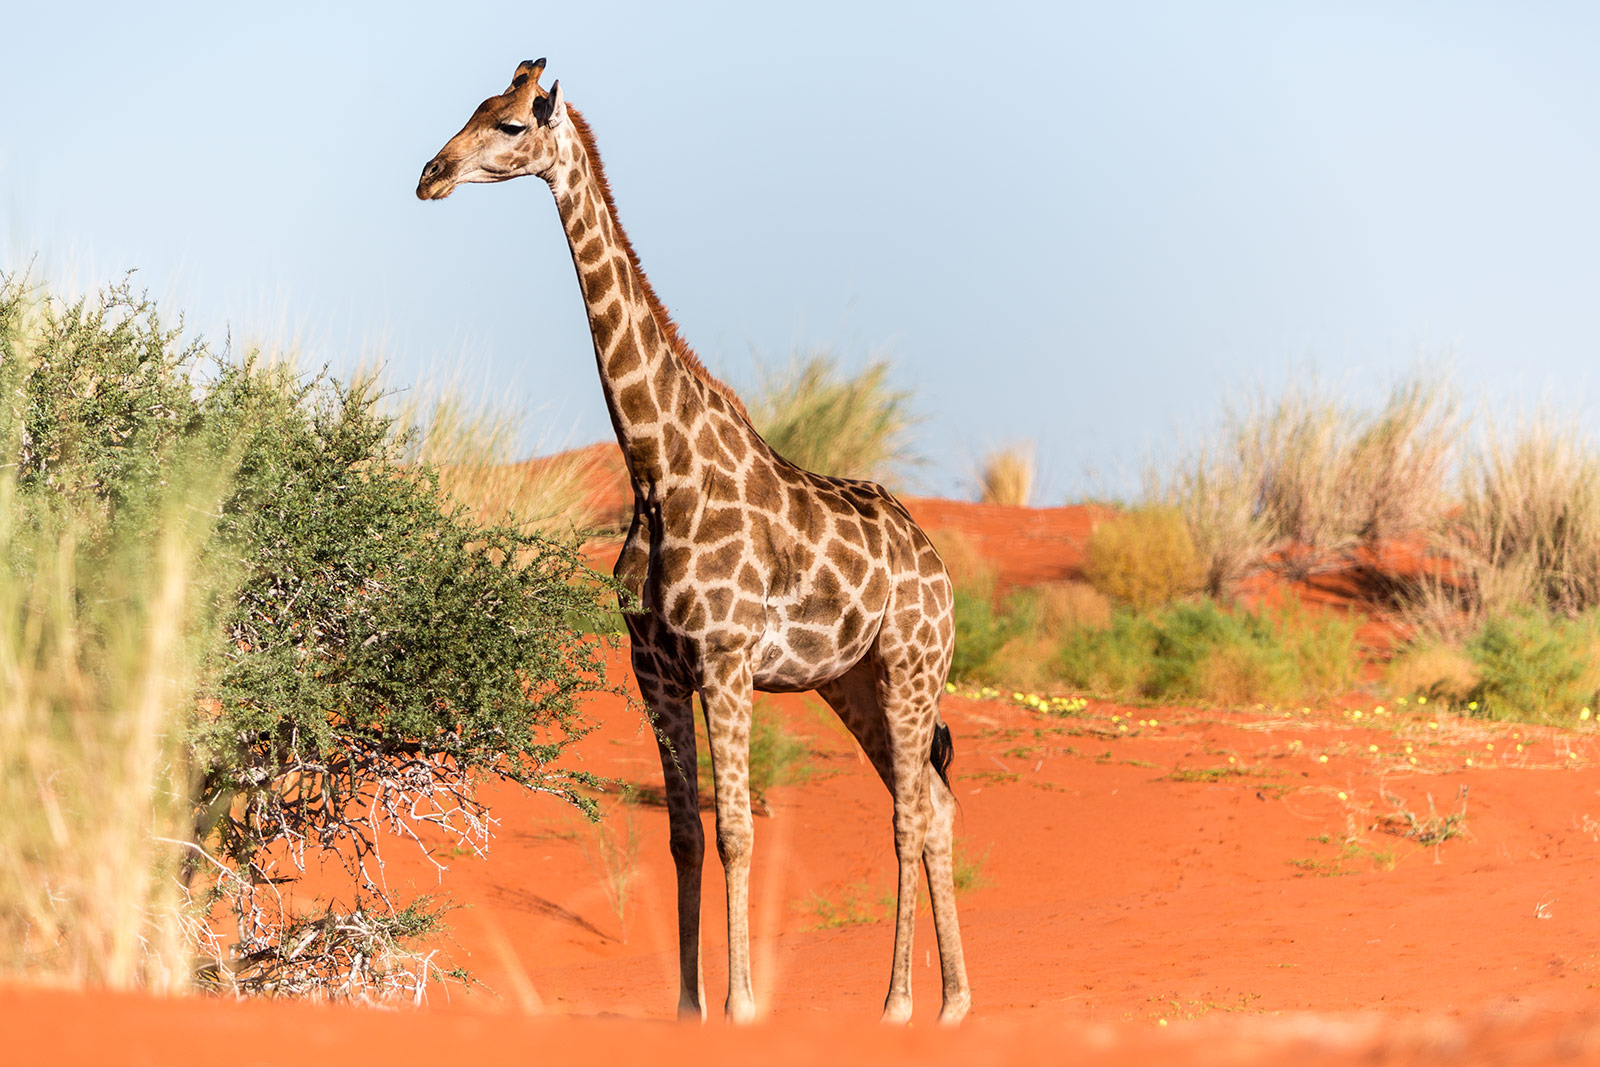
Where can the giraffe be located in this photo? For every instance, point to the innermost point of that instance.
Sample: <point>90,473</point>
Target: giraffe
<point>748,573</point>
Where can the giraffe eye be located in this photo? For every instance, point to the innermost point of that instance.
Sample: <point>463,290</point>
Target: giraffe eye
<point>511,129</point>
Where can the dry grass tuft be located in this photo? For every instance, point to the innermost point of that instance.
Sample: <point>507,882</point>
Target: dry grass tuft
<point>1065,606</point>
<point>1527,532</point>
<point>1435,669</point>
<point>1300,480</point>
<point>816,417</point>
<point>1143,558</point>
<point>968,567</point>
<point>1006,476</point>
<point>474,446</point>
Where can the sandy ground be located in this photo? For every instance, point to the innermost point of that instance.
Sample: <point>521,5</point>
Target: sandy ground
<point>1152,884</point>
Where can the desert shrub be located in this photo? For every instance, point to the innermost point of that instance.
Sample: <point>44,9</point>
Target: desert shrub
<point>1143,558</point>
<point>1536,666</point>
<point>981,631</point>
<point>848,426</point>
<point>1006,476</point>
<point>1438,670</point>
<point>1201,651</point>
<point>1215,492</point>
<point>374,649</point>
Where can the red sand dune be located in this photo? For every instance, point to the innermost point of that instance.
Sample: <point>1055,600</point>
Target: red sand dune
<point>1158,884</point>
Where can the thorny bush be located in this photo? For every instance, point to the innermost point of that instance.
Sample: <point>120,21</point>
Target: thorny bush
<point>376,651</point>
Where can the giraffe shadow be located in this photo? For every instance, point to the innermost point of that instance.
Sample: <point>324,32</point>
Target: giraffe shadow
<point>653,796</point>
<point>524,900</point>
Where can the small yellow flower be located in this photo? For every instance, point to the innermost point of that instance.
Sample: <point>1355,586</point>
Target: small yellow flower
<point>1153,722</point>
<point>1322,759</point>
<point>1372,748</point>
<point>1489,746</point>
<point>1230,759</point>
<point>1408,750</point>
<point>1519,748</point>
<point>1161,1022</point>
<point>1422,700</point>
<point>1469,761</point>
<point>1413,759</point>
<point>1355,714</point>
<point>1433,726</point>
<point>1472,705</point>
<point>1584,715</point>
<point>1378,710</point>
<point>1342,795</point>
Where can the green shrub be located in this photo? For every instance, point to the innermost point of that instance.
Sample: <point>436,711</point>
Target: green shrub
<point>375,650</point>
<point>1535,666</point>
<point>980,631</point>
<point>1202,651</point>
<point>850,427</point>
<point>1143,558</point>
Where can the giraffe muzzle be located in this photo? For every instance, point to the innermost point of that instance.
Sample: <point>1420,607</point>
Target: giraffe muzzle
<point>438,180</point>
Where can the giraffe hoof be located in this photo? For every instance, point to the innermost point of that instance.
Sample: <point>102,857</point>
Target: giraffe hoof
<point>897,1011</point>
<point>955,1009</point>
<point>690,1011</point>
<point>741,1012</point>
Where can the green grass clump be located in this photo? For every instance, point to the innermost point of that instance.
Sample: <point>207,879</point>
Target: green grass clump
<point>1201,651</point>
<point>1143,558</point>
<point>1535,666</point>
<point>849,426</point>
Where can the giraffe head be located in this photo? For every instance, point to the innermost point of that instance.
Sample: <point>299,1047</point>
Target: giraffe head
<point>508,136</point>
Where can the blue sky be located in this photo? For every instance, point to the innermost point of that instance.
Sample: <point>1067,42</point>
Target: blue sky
<point>1086,225</point>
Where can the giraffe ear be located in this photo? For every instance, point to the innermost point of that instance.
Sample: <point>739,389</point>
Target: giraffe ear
<point>554,106</point>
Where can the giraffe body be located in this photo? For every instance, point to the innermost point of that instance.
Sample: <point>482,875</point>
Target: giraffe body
<point>750,573</point>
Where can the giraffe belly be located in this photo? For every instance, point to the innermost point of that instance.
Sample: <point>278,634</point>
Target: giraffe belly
<point>792,659</point>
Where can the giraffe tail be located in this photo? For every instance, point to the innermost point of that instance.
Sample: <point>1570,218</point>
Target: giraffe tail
<point>941,752</point>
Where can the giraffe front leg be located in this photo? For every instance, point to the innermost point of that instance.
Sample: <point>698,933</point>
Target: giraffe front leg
<point>671,711</point>
<point>726,693</point>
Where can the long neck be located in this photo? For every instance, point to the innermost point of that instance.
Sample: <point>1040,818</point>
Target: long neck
<point>653,384</point>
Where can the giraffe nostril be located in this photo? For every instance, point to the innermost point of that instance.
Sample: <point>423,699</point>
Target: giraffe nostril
<point>432,169</point>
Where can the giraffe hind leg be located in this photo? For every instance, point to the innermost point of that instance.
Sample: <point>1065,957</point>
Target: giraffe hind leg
<point>938,862</point>
<point>855,696</point>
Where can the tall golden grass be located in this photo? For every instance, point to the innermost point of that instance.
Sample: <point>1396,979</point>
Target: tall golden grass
<point>101,627</point>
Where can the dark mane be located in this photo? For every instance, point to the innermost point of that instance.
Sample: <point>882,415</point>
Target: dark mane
<point>669,329</point>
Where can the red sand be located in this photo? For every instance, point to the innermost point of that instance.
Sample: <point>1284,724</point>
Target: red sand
<point>1159,884</point>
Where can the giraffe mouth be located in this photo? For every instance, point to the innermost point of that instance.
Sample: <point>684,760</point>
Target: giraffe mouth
<point>438,181</point>
<point>435,190</point>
